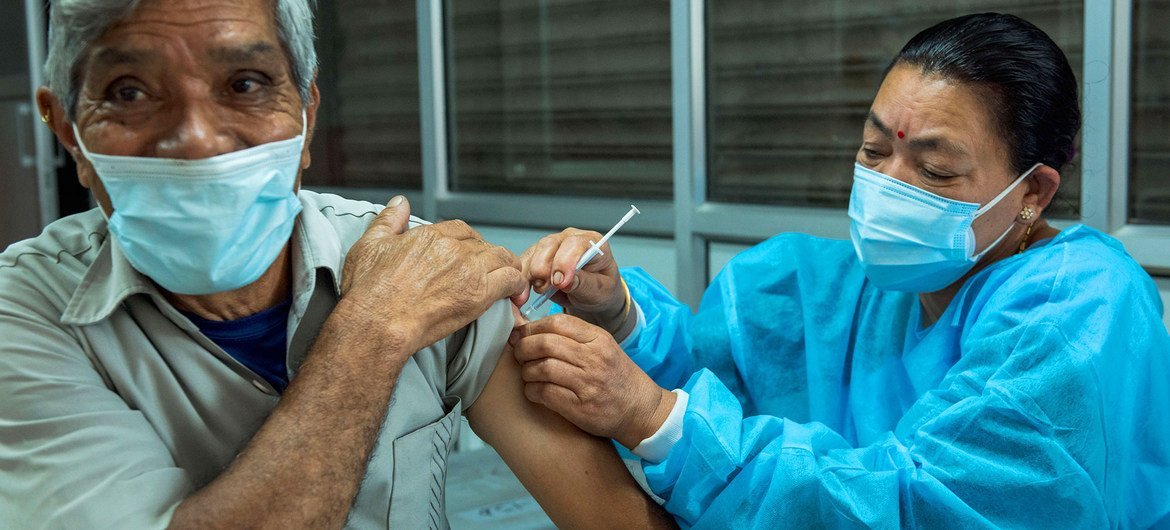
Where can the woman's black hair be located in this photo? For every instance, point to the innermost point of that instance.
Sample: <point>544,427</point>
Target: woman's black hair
<point>1032,89</point>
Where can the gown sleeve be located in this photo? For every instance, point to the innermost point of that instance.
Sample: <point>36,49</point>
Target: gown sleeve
<point>662,348</point>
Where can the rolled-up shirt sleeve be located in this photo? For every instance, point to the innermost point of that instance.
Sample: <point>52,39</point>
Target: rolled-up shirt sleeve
<point>475,350</point>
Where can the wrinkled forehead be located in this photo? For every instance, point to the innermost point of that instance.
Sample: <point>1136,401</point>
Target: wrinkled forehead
<point>217,30</point>
<point>937,112</point>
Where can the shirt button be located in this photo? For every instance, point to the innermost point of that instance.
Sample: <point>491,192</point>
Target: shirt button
<point>259,386</point>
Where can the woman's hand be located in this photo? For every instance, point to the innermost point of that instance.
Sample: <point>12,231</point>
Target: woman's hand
<point>595,293</point>
<point>577,370</point>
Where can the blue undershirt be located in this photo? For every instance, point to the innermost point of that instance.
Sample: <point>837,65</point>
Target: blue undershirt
<point>257,341</point>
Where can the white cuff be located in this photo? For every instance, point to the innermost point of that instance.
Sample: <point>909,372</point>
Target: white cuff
<point>632,338</point>
<point>656,448</point>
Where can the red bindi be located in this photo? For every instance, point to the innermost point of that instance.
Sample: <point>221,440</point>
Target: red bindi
<point>901,134</point>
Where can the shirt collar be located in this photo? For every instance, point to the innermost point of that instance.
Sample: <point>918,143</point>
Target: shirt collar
<point>315,246</point>
<point>110,279</point>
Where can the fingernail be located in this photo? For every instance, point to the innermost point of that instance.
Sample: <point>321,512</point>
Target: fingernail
<point>558,277</point>
<point>396,201</point>
<point>576,282</point>
<point>538,284</point>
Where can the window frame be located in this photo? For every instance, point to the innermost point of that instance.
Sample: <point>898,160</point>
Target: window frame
<point>694,222</point>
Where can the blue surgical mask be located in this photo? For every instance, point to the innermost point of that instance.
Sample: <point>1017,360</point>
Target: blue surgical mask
<point>203,226</point>
<point>909,239</point>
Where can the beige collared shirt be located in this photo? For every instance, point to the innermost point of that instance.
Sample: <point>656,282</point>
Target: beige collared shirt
<point>114,407</point>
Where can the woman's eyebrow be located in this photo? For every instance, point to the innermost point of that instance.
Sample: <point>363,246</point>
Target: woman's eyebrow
<point>937,143</point>
<point>877,123</point>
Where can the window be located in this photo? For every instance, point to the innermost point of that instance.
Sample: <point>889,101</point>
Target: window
<point>565,97</point>
<point>790,83</point>
<point>1149,166</point>
<point>572,99</point>
<point>12,36</point>
<point>368,125</point>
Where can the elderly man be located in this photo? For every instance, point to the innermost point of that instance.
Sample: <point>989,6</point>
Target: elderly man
<point>211,348</point>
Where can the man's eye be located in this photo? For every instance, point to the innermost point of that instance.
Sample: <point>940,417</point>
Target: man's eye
<point>246,86</point>
<point>128,94</point>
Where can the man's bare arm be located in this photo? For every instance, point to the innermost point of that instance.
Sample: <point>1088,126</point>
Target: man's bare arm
<point>577,478</point>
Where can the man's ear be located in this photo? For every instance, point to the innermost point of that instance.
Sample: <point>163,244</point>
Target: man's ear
<point>55,118</point>
<point>53,115</point>
<point>311,107</point>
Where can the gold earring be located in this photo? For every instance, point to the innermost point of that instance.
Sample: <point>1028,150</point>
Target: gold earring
<point>1027,236</point>
<point>1027,213</point>
<point>48,115</point>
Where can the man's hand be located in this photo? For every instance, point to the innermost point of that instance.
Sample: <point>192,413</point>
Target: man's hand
<point>428,282</point>
<point>577,370</point>
<point>594,293</point>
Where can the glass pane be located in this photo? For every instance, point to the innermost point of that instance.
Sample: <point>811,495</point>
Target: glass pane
<point>368,125</point>
<point>14,59</point>
<point>790,84</point>
<point>1149,187</point>
<point>565,97</point>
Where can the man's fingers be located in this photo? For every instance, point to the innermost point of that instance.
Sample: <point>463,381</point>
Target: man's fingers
<point>506,282</point>
<point>489,255</point>
<point>525,258</point>
<point>456,229</point>
<point>522,298</point>
<point>395,217</point>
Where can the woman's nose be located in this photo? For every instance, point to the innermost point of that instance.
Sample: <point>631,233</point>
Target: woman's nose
<point>897,168</point>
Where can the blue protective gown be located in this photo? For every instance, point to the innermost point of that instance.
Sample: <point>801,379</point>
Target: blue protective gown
<point>1041,397</point>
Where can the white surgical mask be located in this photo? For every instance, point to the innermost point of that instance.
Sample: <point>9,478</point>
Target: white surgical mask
<point>203,226</point>
<point>909,239</point>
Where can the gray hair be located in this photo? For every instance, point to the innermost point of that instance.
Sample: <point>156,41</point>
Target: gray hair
<point>75,24</point>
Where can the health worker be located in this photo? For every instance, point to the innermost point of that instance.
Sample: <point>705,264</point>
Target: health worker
<point>959,362</point>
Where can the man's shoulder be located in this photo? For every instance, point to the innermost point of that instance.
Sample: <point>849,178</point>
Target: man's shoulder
<point>51,265</point>
<point>339,211</point>
<point>348,218</point>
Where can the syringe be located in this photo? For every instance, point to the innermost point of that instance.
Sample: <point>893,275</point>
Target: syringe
<point>594,250</point>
